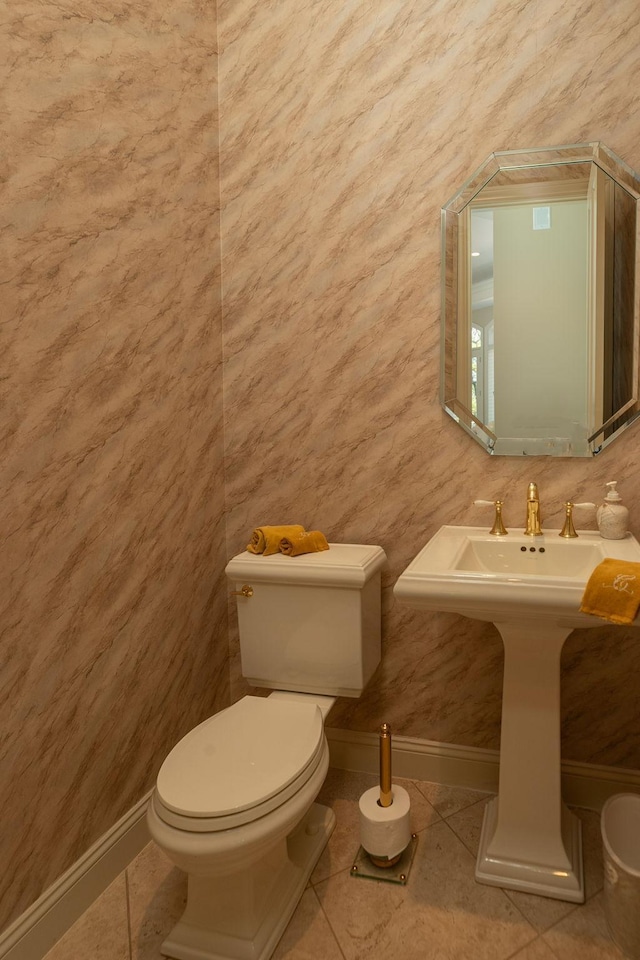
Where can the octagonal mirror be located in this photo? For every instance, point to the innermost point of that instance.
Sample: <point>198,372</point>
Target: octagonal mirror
<point>540,335</point>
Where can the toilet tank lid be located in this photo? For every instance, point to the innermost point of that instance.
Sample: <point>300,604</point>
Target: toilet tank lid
<point>342,565</point>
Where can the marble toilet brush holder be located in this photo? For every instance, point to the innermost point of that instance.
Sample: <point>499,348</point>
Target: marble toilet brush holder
<point>385,832</point>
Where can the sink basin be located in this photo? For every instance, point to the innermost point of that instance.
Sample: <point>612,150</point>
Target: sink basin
<point>531,588</point>
<point>466,570</point>
<point>575,559</point>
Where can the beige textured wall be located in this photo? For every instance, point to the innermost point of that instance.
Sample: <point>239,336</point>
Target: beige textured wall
<point>113,626</point>
<point>344,128</point>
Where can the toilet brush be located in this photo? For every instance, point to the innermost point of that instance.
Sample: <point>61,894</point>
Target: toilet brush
<point>385,832</point>
<point>386,796</point>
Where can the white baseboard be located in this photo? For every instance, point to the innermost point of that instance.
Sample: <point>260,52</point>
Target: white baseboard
<point>583,784</point>
<point>35,932</point>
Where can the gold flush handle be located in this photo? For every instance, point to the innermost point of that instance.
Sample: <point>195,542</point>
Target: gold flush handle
<point>244,591</point>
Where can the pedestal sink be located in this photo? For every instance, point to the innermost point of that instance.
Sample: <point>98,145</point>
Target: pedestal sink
<point>531,588</point>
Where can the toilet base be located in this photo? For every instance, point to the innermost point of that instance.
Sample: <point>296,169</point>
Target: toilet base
<point>243,917</point>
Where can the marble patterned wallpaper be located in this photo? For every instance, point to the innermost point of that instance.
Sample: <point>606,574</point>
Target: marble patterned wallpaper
<point>113,625</point>
<point>344,127</point>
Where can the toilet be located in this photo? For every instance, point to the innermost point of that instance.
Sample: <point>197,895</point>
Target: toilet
<point>233,805</point>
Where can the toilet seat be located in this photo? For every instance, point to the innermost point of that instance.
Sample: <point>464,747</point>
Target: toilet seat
<point>240,764</point>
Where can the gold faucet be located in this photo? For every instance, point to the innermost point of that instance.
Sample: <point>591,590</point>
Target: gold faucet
<point>533,512</point>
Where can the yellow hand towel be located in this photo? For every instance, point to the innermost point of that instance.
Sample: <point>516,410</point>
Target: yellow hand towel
<point>266,540</point>
<point>613,591</point>
<point>306,542</point>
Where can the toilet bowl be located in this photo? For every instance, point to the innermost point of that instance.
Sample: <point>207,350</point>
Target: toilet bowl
<point>234,833</point>
<point>234,801</point>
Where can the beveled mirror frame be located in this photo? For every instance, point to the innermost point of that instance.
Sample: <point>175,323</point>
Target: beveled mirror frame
<point>456,296</point>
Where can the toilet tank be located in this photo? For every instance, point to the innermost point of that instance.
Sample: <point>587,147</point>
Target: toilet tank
<point>312,623</point>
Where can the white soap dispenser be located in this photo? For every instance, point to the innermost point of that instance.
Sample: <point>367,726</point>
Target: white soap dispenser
<point>612,516</point>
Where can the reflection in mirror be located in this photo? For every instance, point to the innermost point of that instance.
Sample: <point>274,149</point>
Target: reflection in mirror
<point>540,306</point>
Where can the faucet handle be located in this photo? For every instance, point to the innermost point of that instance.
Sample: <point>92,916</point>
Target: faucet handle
<point>569,531</point>
<point>498,529</point>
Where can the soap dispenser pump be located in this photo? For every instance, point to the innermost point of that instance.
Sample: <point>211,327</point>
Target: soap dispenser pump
<point>612,516</point>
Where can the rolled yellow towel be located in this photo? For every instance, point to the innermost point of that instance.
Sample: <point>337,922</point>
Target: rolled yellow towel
<point>311,541</point>
<point>266,540</point>
<point>613,591</point>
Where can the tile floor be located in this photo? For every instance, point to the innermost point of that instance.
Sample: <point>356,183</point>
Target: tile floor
<point>441,914</point>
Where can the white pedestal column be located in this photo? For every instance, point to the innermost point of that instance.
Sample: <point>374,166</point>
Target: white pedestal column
<point>530,841</point>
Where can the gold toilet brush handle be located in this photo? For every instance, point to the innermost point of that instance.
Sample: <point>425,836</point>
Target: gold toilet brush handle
<point>386,797</point>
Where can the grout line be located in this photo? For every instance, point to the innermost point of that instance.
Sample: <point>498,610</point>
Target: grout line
<point>330,925</point>
<point>472,854</point>
<point>129,930</point>
<point>572,907</point>
<point>551,950</point>
<point>481,795</point>
<point>514,956</point>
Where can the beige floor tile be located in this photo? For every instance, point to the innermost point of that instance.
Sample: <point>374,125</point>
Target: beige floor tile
<point>157,895</point>
<point>441,912</point>
<point>449,800</point>
<point>342,791</point>
<point>308,935</point>
<point>541,912</point>
<point>583,935</point>
<point>467,824</point>
<point>102,932</point>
